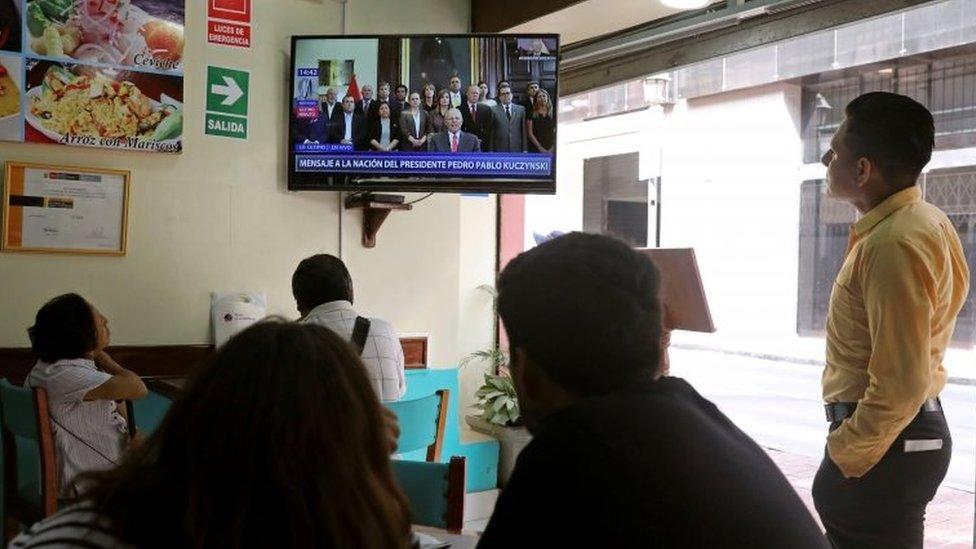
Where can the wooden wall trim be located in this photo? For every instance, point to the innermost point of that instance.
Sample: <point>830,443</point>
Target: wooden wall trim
<point>169,360</point>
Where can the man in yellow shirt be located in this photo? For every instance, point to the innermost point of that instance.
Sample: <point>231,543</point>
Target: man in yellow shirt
<point>892,312</point>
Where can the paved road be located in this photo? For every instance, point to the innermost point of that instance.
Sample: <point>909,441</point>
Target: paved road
<point>778,404</point>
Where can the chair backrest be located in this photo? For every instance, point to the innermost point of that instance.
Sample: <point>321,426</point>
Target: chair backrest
<point>148,412</point>
<point>30,465</point>
<point>422,423</point>
<point>435,491</point>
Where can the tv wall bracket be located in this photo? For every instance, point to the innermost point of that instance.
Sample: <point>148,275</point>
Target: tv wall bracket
<point>375,209</point>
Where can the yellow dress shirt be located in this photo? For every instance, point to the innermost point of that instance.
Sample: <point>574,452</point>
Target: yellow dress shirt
<point>892,311</point>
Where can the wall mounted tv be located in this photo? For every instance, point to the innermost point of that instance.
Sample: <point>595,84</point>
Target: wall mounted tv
<point>424,113</point>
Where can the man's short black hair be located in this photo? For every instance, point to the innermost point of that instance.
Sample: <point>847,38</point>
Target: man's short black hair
<point>64,328</point>
<point>586,309</point>
<point>895,132</point>
<point>321,279</point>
<point>401,87</point>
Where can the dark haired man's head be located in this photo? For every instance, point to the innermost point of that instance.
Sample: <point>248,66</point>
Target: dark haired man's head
<point>319,279</point>
<point>401,92</point>
<point>66,327</point>
<point>583,317</point>
<point>881,147</point>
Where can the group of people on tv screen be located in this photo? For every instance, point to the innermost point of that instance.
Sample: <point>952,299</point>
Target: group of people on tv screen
<point>455,119</point>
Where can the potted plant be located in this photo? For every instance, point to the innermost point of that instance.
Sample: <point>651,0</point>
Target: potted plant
<point>500,415</point>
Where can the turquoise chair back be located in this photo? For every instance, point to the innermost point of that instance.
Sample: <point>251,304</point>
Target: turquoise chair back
<point>150,410</point>
<point>422,422</point>
<point>435,491</point>
<point>30,468</point>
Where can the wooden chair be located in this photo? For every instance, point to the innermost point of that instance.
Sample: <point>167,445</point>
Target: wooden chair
<point>422,423</point>
<point>435,491</point>
<point>30,478</point>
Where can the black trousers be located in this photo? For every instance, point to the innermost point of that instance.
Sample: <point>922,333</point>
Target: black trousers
<point>885,508</point>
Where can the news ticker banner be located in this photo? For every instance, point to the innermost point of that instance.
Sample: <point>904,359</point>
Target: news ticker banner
<point>457,164</point>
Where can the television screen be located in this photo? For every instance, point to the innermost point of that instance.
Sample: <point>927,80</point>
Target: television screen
<point>445,113</point>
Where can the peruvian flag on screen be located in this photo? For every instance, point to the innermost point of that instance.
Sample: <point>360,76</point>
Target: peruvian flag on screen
<point>353,89</point>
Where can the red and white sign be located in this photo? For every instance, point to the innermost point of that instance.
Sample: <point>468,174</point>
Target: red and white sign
<point>229,22</point>
<point>230,10</point>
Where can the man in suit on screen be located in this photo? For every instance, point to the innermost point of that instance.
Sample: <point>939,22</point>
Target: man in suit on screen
<point>453,140</point>
<point>454,87</point>
<point>476,116</point>
<point>349,127</point>
<point>507,124</point>
<point>364,105</point>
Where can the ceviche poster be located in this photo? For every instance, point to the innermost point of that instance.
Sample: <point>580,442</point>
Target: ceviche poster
<point>93,73</point>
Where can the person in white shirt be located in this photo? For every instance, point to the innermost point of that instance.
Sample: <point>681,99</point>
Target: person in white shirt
<point>83,383</point>
<point>323,292</point>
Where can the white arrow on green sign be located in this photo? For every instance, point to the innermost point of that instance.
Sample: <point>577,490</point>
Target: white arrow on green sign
<point>227,102</point>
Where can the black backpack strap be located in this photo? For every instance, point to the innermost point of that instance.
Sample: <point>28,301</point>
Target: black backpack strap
<point>360,332</point>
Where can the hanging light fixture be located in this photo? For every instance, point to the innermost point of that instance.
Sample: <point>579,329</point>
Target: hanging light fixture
<point>686,4</point>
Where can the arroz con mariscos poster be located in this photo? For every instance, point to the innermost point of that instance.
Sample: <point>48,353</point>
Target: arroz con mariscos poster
<point>93,73</point>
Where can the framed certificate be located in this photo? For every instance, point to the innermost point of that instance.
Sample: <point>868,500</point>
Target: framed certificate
<point>67,210</point>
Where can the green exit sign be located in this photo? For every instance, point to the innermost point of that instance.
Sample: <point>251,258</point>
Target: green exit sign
<point>227,102</point>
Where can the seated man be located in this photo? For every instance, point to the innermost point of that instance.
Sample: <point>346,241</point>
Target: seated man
<point>323,292</point>
<point>83,383</point>
<point>453,139</point>
<point>619,459</point>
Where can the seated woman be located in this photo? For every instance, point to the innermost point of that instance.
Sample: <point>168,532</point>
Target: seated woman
<point>278,441</point>
<point>83,383</point>
<point>384,131</point>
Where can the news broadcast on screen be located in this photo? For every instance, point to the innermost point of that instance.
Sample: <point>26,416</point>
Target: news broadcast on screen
<point>438,113</point>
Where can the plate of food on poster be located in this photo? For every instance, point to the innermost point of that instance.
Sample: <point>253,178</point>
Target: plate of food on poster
<point>75,104</point>
<point>136,33</point>
<point>10,93</point>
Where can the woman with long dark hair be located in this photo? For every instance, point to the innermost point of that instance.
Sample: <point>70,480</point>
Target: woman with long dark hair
<point>435,122</point>
<point>278,441</point>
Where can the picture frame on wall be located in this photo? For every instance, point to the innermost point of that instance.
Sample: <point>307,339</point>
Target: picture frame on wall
<point>64,209</point>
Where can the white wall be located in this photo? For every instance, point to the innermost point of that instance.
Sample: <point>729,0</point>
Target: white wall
<point>576,142</point>
<point>731,189</point>
<point>217,217</point>
<point>730,167</point>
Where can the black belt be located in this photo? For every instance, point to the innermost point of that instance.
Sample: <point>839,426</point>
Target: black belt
<point>839,411</point>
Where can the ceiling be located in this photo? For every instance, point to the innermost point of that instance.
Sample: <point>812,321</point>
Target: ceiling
<point>592,18</point>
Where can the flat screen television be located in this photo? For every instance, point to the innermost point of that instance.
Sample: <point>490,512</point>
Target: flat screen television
<point>432,113</point>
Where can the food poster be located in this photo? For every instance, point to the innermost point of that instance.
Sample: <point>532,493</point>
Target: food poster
<point>93,73</point>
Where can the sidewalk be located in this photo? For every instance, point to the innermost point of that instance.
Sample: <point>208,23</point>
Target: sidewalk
<point>948,522</point>
<point>960,363</point>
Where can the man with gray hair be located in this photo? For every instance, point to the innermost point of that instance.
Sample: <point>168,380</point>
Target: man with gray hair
<point>453,139</point>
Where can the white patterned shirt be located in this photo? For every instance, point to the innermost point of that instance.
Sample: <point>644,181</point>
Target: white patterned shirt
<point>79,525</point>
<point>88,435</point>
<point>382,353</point>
